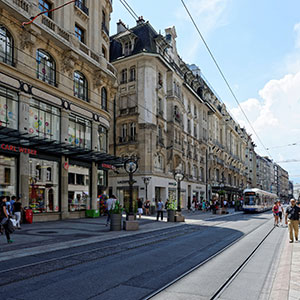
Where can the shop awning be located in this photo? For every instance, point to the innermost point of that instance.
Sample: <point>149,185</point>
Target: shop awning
<point>15,138</point>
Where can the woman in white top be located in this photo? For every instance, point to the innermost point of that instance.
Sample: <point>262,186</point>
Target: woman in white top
<point>281,211</point>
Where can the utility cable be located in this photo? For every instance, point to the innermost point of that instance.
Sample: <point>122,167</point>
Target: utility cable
<point>223,76</point>
<point>45,12</point>
<point>129,9</point>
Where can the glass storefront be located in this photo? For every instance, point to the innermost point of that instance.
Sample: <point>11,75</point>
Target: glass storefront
<point>43,185</point>
<point>79,132</point>
<point>78,188</point>
<point>8,176</point>
<point>8,108</point>
<point>44,120</point>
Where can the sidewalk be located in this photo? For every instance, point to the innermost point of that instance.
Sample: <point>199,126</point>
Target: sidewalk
<point>57,235</point>
<point>286,284</point>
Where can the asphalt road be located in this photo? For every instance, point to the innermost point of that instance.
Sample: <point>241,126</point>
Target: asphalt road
<point>125,268</point>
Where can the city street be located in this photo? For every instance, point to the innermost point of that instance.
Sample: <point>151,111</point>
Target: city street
<point>142,264</point>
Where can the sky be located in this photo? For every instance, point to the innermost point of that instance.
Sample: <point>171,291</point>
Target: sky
<point>257,45</point>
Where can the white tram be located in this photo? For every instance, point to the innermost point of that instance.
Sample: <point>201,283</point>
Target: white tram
<point>256,200</point>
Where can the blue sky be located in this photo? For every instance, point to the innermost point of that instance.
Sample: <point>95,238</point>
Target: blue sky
<point>257,45</point>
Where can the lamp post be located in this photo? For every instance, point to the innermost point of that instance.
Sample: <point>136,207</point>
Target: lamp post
<point>146,181</point>
<point>130,167</point>
<point>178,176</point>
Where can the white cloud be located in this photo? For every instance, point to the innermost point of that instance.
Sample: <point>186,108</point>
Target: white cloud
<point>297,30</point>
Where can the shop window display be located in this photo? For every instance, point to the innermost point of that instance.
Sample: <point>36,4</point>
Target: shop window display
<point>8,108</point>
<point>8,173</point>
<point>79,188</point>
<point>44,120</point>
<point>79,132</point>
<point>43,190</point>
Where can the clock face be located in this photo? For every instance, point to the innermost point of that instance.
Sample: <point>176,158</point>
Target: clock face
<point>130,166</point>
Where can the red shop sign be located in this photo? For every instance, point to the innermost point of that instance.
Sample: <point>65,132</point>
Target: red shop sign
<point>18,149</point>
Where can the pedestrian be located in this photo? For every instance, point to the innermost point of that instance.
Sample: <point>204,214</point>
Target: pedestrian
<point>147,208</point>
<point>167,204</point>
<point>8,205</point>
<point>17,210</point>
<point>140,207</point>
<point>203,206</point>
<point>275,210</point>
<point>292,219</point>
<point>110,203</point>
<point>159,208</point>
<point>4,217</point>
<point>281,211</point>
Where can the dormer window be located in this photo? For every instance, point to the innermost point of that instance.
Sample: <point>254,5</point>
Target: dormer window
<point>127,48</point>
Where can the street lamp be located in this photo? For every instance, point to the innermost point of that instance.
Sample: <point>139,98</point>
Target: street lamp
<point>178,176</point>
<point>146,181</point>
<point>130,167</point>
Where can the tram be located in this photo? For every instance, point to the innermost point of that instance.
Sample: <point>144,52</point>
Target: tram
<point>256,200</point>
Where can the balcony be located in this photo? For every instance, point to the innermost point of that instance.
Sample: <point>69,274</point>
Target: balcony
<point>80,4</point>
<point>55,28</point>
<point>22,4</point>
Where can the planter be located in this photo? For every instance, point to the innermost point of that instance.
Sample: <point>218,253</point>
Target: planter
<point>171,215</point>
<point>92,213</point>
<point>115,222</point>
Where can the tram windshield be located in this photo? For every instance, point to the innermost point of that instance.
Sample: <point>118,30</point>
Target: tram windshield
<point>249,198</point>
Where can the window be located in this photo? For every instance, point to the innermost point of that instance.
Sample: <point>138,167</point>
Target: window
<point>79,33</point>
<point>104,98</point>
<point>80,86</point>
<point>102,139</point>
<point>44,120</point>
<point>71,178</point>
<point>160,82</point>
<point>124,76</point>
<point>79,132</point>
<point>38,172</point>
<point>7,175</point>
<point>8,108</point>
<point>127,48</point>
<point>79,179</point>
<point>45,69</point>
<point>82,5</point>
<point>132,74</point>
<point>45,5</point>
<point>104,22</point>
<point>124,131</point>
<point>104,52</point>
<point>6,46</point>
<point>49,174</point>
<point>132,131</point>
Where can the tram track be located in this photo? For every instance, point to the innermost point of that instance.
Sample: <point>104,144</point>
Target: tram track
<point>233,275</point>
<point>44,266</point>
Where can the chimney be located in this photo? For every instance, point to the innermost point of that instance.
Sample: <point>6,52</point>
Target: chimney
<point>140,20</point>
<point>121,27</point>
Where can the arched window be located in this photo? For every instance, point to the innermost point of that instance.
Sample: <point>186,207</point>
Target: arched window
<point>45,69</point>
<point>80,86</point>
<point>104,98</point>
<point>6,46</point>
<point>49,174</point>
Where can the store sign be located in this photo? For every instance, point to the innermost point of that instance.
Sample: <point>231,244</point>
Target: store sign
<point>172,183</point>
<point>18,149</point>
<point>107,166</point>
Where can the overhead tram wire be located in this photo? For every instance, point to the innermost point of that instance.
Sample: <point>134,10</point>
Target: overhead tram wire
<point>223,76</point>
<point>129,9</point>
<point>62,74</point>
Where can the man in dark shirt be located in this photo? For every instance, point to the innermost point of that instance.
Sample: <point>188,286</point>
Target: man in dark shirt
<point>292,218</point>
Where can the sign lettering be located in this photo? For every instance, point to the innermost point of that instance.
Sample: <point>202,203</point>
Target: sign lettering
<point>7,147</point>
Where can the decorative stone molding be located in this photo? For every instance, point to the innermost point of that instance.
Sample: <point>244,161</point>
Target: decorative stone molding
<point>68,62</point>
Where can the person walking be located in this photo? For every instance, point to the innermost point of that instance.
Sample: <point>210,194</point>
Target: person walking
<point>17,210</point>
<point>110,203</point>
<point>292,219</point>
<point>160,207</point>
<point>4,218</point>
<point>140,207</point>
<point>147,208</point>
<point>280,213</point>
<point>275,210</point>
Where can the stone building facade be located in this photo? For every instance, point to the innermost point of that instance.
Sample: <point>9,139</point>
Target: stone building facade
<point>56,93</point>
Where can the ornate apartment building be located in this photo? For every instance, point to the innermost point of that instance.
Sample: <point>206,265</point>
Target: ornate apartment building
<point>56,93</point>
<point>169,116</point>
